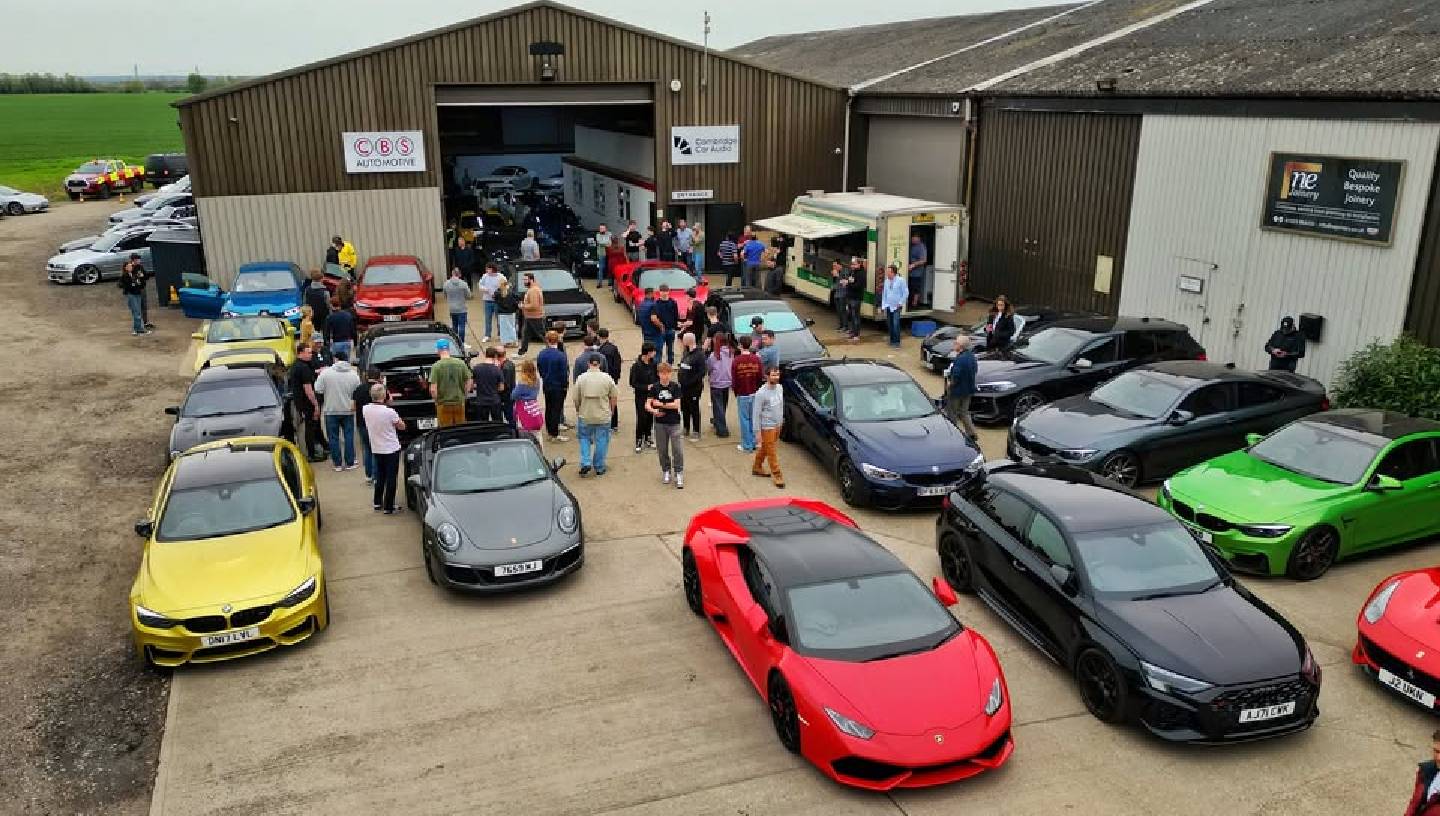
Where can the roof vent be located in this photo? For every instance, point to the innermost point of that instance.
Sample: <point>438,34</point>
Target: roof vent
<point>867,191</point>
<point>815,193</point>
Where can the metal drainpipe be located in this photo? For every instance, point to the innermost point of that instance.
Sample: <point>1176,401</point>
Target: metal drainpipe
<point>845,150</point>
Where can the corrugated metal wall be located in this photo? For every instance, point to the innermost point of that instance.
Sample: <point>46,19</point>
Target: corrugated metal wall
<point>1199,192</point>
<point>918,157</point>
<point>283,134</point>
<point>1422,319</point>
<point>297,227</point>
<point>1052,196</point>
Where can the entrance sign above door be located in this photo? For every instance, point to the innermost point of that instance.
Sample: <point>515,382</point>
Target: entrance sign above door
<point>705,144</point>
<point>692,195</point>
<point>385,151</point>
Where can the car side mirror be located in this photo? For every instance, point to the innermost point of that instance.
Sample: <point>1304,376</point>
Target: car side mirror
<point>1252,439</point>
<point>197,336</point>
<point>1384,484</point>
<point>824,413</point>
<point>289,329</point>
<point>1065,577</point>
<point>1178,417</point>
<point>144,528</point>
<point>1082,364</point>
<point>172,410</point>
<point>306,504</point>
<point>413,480</point>
<point>556,464</point>
<point>943,591</point>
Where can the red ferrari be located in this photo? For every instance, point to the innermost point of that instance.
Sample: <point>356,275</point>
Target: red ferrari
<point>393,288</point>
<point>632,278</point>
<point>1399,642</point>
<point>866,673</point>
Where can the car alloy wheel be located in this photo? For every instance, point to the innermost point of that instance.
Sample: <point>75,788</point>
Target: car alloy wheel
<point>956,564</point>
<point>1314,554</point>
<point>87,275</point>
<point>1101,686</point>
<point>783,714</point>
<point>15,208</point>
<point>1027,402</point>
<point>852,489</point>
<point>690,578</point>
<point>1121,467</point>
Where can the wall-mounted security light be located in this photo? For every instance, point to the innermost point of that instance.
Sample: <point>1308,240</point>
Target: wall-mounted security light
<point>675,86</point>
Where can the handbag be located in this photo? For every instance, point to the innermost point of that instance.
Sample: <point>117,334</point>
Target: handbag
<point>529,416</point>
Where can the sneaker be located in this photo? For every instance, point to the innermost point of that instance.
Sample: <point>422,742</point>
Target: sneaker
<point>742,449</point>
<point>137,334</point>
<point>149,325</point>
<point>584,470</point>
<point>762,474</point>
<point>559,439</point>
<point>392,511</point>
<point>369,480</point>
<point>779,485</point>
<point>147,331</point>
<point>375,507</point>
<point>565,427</point>
<point>351,466</point>
<point>338,468</point>
<point>639,446</point>
<point>665,477</point>
<point>601,471</point>
<point>679,481</point>
<point>650,442</point>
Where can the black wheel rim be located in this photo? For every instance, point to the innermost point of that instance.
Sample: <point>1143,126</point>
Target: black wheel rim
<point>1099,685</point>
<point>1121,468</point>
<point>847,483</point>
<point>955,562</point>
<point>782,711</point>
<point>691,578</point>
<point>1315,553</point>
<point>1027,403</point>
<point>16,208</point>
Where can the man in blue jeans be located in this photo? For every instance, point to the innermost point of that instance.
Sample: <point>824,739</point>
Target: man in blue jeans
<point>752,253</point>
<point>594,397</point>
<point>892,302</point>
<point>132,283</point>
<point>336,386</point>
<point>665,317</point>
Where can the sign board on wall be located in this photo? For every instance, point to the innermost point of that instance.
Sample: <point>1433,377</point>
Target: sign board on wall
<point>1333,197</point>
<point>705,144</point>
<point>692,195</point>
<point>384,151</point>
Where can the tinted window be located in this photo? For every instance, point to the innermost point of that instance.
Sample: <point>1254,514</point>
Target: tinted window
<point>677,279</point>
<point>418,346</point>
<point>133,242</point>
<point>1139,344</point>
<point>1052,345</point>
<point>879,402</point>
<point>866,618</point>
<point>1104,351</point>
<point>777,319</point>
<point>818,387</point>
<point>290,471</point>
<point>1211,399</point>
<point>1409,460</point>
<point>240,329</point>
<point>1046,539</point>
<point>1174,345</point>
<point>1138,394</point>
<point>1007,510</point>
<point>1142,560</point>
<point>1253,394</point>
<point>552,280</point>
<point>1314,449</point>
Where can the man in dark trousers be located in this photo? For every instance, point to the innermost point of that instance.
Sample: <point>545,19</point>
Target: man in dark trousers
<point>138,270</point>
<point>613,363</point>
<point>317,297</point>
<point>1425,801</point>
<point>642,376</point>
<point>306,405</point>
<point>665,242</point>
<point>960,386</point>
<point>692,385</point>
<point>634,241</point>
<point>1286,346</point>
<point>554,382</point>
<point>665,317</point>
<point>132,284</point>
<point>855,283</point>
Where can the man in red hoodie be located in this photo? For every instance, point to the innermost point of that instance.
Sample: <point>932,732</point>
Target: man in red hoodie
<point>1425,801</point>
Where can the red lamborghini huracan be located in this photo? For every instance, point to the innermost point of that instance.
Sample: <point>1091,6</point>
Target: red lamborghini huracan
<point>632,278</point>
<point>867,675</point>
<point>1398,642</point>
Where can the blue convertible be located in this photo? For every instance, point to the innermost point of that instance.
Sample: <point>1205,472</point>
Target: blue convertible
<point>260,288</point>
<point>877,430</point>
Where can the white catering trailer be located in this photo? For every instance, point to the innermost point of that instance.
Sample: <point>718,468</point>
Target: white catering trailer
<point>877,227</point>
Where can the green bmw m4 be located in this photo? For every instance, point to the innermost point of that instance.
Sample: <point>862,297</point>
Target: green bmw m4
<point>1321,488</point>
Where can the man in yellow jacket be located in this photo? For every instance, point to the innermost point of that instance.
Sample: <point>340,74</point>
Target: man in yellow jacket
<point>342,252</point>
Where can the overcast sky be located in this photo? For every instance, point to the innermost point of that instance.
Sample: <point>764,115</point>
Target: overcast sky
<point>259,36</point>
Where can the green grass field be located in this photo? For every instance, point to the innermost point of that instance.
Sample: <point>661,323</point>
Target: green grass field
<point>46,136</point>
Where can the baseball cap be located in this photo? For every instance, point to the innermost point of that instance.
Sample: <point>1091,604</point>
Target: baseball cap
<point>442,345</point>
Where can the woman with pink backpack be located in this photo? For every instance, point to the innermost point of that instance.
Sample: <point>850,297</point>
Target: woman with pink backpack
<point>529,415</point>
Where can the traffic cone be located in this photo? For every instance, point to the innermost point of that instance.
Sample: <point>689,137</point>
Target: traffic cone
<point>174,296</point>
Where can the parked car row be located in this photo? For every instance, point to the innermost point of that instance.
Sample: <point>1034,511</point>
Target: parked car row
<point>94,258</point>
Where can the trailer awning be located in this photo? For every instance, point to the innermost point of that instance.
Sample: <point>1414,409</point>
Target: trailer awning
<point>809,227</point>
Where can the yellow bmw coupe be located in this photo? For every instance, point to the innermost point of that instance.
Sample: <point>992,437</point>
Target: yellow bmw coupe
<point>260,333</point>
<point>232,558</point>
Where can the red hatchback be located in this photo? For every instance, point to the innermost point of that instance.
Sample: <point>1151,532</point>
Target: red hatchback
<point>865,672</point>
<point>392,288</point>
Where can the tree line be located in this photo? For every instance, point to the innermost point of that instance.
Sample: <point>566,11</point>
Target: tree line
<point>68,84</point>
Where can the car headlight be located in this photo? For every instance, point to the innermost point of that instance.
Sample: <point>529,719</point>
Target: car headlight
<point>1375,610</point>
<point>153,619</point>
<point>1076,454</point>
<point>299,594</point>
<point>878,473</point>
<point>997,387</point>
<point>976,463</point>
<point>1264,530</point>
<point>449,536</point>
<point>292,311</point>
<point>996,698</point>
<point>566,519</point>
<point>364,304</point>
<point>849,726</point>
<point>419,304</point>
<point>1168,681</point>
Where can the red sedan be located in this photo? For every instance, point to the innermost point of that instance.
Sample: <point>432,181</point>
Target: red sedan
<point>1399,643</point>
<point>392,288</point>
<point>632,278</point>
<point>866,674</point>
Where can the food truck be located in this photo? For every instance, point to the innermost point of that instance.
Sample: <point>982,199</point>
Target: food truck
<point>877,227</point>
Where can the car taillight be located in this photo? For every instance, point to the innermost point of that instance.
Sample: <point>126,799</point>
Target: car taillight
<point>1325,403</point>
<point>945,502</point>
<point>1201,356</point>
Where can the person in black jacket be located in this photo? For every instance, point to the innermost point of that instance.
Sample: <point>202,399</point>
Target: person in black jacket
<point>1286,346</point>
<point>317,297</point>
<point>132,284</point>
<point>856,281</point>
<point>613,363</point>
<point>692,384</point>
<point>642,376</point>
<point>1000,325</point>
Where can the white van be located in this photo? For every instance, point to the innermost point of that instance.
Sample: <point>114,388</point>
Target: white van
<point>877,227</point>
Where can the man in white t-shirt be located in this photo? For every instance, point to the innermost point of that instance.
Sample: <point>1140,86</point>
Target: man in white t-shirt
<point>383,425</point>
<point>489,285</point>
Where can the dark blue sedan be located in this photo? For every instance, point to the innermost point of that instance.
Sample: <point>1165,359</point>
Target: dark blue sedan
<point>877,430</point>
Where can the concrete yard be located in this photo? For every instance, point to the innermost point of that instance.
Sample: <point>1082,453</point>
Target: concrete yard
<point>605,695</point>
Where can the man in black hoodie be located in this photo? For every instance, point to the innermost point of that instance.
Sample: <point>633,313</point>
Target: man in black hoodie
<point>1286,346</point>
<point>692,384</point>
<point>613,363</point>
<point>642,376</point>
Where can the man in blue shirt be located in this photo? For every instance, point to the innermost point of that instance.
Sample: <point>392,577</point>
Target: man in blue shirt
<point>769,353</point>
<point>665,318</point>
<point>892,302</point>
<point>961,386</point>
<point>753,253</point>
<point>685,245</point>
<point>554,371</point>
<point>918,269</point>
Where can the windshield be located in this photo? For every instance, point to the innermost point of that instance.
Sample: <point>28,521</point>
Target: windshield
<point>8,190</point>
<point>156,203</point>
<point>550,280</point>
<point>1135,393</point>
<point>777,318</point>
<point>491,466</point>
<point>884,401</point>
<point>867,618</point>
<point>219,510</point>
<point>1313,449</point>
<point>391,274</point>
<point>1053,346</point>
<point>229,397</point>
<point>677,279</point>
<point>93,167</point>
<point>406,345</point>
<point>266,281</point>
<point>241,329</point>
<point>1159,558</point>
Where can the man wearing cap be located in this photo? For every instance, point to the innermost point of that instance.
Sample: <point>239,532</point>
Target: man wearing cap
<point>450,383</point>
<point>1286,346</point>
<point>132,284</point>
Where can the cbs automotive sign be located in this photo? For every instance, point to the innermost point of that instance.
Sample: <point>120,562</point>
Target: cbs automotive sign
<point>705,144</point>
<point>385,151</point>
<point>1333,197</point>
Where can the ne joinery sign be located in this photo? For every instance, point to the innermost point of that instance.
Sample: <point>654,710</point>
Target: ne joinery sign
<point>384,151</point>
<point>1348,199</point>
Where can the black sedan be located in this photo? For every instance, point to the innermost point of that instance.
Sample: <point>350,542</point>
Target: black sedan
<point>1072,357</point>
<point>737,306</point>
<point>938,350</point>
<point>494,515</point>
<point>568,307</point>
<point>224,403</point>
<point>1158,419</point>
<point>1112,588</point>
<point>877,430</point>
<point>403,353</point>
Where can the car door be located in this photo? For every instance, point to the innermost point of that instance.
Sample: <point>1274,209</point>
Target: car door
<point>748,594</point>
<point>1048,609</point>
<point>113,262</point>
<point>1000,520</point>
<point>198,302</point>
<point>1213,430</point>
<point>815,410</point>
<point>1396,516</point>
<point>1096,362</point>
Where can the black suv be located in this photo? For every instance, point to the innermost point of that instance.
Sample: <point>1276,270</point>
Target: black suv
<point>163,168</point>
<point>1072,357</point>
<point>404,353</point>
<point>568,307</point>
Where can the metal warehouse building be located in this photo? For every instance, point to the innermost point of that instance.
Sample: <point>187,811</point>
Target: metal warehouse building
<point>372,145</point>
<point>1218,162</point>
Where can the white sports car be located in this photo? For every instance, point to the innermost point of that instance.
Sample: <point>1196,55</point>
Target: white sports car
<point>15,202</point>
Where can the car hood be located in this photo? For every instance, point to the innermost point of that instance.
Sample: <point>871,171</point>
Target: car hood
<point>276,301</point>
<point>990,369</point>
<point>1220,636</point>
<point>185,576</point>
<point>75,257</point>
<point>83,176</point>
<point>1079,422</point>
<point>1415,607</point>
<point>189,432</point>
<point>915,694</point>
<point>565,301</point>
<point>490,520</point>
<point>798,345</point>
<point>79,243</point>
<point>395,294</point>
<point>1243,488</point>
<point>282,346</point>
<point>906,444</point>
<point>128,215</point>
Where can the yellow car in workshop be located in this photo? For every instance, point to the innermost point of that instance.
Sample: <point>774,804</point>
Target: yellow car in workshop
<point>258,333</point>
<point>232,557</point>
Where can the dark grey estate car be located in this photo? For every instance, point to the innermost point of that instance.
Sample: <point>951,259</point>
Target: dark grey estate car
<point>223,403</point>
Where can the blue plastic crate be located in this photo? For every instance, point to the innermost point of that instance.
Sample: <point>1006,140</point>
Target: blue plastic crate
<point>922,328</point>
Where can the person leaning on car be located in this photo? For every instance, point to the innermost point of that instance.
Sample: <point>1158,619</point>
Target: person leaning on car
<point>450,382</point>
<point>1425,801</point>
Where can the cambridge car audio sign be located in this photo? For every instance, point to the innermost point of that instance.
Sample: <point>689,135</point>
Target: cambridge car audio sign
<point>385,151</point>
<point>1333,197</point>
<point>707,144</point>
